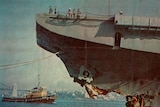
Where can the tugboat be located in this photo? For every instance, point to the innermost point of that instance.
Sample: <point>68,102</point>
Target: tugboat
<point>36,95</point>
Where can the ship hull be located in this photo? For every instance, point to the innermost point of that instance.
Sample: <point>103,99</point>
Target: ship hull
<point>125,70</point>
<point>48,99</point>
<point>109,68</point>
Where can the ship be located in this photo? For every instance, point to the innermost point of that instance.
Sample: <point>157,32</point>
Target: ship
<point>106,53</point>
<point>36,95</point>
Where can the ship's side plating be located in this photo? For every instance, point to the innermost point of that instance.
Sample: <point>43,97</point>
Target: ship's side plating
<point>128,69</point>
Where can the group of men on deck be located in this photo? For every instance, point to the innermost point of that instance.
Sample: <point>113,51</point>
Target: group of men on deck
<point>73,13</point>
<point>51,10</point>
<point>70,14</point>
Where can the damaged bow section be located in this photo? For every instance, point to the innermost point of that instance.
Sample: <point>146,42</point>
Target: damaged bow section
<point>85,80</point>
<point>93,91</point>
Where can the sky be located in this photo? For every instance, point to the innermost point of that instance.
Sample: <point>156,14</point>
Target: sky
<point>18,38</point>
<point>18,45</point>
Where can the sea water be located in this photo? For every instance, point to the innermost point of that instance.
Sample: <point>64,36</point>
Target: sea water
<point>68,103</point>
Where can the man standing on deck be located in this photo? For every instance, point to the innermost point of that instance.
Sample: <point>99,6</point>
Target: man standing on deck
<point>78,13</point>
<point>50,10</point>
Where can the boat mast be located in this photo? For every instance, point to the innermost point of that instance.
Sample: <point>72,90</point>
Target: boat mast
<point>38,80</point>
<point>38,71</point>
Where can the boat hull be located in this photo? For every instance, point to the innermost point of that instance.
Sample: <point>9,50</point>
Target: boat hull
<point>127,71</point>
<point>107,67</point>
<point>48,99</point>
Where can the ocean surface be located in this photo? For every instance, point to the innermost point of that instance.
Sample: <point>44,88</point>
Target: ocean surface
<point>68,103</point>
<point>72,99</point>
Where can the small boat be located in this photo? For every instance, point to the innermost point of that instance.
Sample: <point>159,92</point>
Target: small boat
<point>36,95</point>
